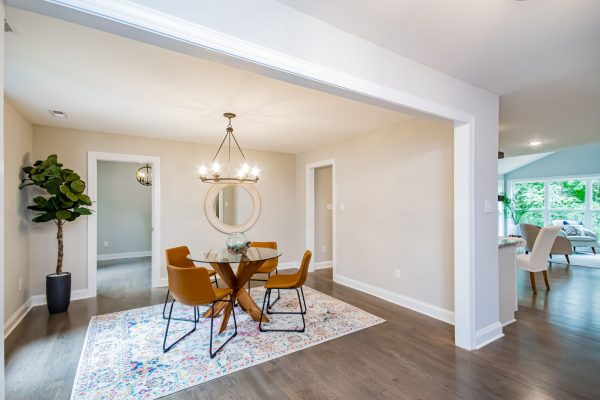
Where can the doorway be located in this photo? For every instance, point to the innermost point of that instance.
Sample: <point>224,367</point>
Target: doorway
<point>124,230</point>
<point>109,176</point>
<point>323,217</point>
<point>321,214</point>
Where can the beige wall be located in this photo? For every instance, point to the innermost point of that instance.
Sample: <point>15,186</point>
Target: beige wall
<point>323,216</point>
<point>182,197</point>
<point>124,209</point>
<point>18,136</point>
<point>397,188</point>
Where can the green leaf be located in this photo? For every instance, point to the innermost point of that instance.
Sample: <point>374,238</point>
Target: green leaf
<point>40,201</point>
<point>63,214</point>
<point>85,199</point>
<point>44,217</point>
<point>27,170</point>
<point>77,186</point>
<point>53,186</point>
<point>84,211</point>
<point>71,196</point>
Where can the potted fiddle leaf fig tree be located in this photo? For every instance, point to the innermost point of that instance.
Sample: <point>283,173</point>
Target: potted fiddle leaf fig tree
<point>63,201</point>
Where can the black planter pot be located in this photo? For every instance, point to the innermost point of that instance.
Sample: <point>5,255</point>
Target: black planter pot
<point>58,292</point>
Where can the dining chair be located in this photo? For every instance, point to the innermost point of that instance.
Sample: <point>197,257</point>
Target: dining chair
<point>287,282</point>
<point>192,287</point>
<point>178,257</point>
<point>267,268</point>
<point>537,259</point>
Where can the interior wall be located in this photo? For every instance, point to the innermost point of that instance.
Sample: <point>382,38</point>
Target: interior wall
<point>124,209</point>
<point>323,214</point>
<point>182,197</point>
<point>18,147</point>
<point>395,228</point>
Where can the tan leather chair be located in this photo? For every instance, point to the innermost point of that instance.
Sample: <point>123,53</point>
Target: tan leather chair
<point>267,268</point>
<point>192,287</point>
<point>293,281</point>
<point>561,245</point>
<point>178,257</point>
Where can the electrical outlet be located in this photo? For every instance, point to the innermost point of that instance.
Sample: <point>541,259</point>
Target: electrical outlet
<point>20,284</point>
<point>324,250</point>
<point>106,243</point>
<point>397,273</point>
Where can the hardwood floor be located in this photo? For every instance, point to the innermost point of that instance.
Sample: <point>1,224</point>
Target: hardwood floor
<point>552,352</point>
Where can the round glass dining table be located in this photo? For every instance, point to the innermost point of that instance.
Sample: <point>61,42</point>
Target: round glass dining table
<point>247,264</point>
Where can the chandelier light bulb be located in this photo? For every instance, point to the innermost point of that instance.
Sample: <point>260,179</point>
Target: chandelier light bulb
<point>255,172</point>
<point>216,168</point>
<point>202,170</point>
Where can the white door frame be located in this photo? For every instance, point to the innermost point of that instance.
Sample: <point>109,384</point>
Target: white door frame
<point>310,209</point>
<point>93,158</point>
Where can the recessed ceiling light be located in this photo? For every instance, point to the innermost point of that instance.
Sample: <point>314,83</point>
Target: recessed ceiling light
<point>58,114</point>
<point>535,143</point>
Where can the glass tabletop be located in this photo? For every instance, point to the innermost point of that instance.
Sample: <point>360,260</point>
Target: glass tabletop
<point>225,256</point>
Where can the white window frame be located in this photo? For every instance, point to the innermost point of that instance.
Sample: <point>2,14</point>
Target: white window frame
<point>587,210</point>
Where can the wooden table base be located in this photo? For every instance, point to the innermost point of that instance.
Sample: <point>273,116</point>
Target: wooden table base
<point>237,281</point>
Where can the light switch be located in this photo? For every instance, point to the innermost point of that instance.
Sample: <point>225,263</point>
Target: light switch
<point>489,207</point>
<point>342,207</point>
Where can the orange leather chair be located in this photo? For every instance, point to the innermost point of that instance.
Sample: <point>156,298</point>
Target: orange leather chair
<point>178,257</point>
<point>192,287</point>
<point>289,282</point>
<point>267,268</point>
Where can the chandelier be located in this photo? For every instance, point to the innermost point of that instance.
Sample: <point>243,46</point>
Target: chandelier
<point>144,175</point>
<point>215,175</point>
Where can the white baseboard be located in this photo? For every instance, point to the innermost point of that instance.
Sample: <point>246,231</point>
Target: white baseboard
<point>508,322</point>
<point>404,301</point>
<point>37,300</point>
<point>288,265</point>
<point>16,318</point>
<point>323,264</point>
<point>489,334</point>
<point>130,254</point>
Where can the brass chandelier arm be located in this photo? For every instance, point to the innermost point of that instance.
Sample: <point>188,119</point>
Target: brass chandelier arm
<point>220,147</point>
<point>238,146</point>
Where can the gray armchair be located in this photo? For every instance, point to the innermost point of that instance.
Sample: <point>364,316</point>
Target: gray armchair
<point>586,239</point>
<point>561,245</point>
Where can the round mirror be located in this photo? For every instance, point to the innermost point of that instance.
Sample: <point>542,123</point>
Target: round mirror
<point>232,207</point>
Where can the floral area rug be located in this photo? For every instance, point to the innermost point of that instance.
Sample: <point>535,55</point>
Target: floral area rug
<point>122,355</point>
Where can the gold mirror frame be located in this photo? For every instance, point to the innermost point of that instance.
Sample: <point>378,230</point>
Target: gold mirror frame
<point>213,219</point>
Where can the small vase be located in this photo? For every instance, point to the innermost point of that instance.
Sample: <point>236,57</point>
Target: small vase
<point>237,243</point>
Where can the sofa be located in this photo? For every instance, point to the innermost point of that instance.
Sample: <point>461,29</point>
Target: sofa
<point>561,246</point>
<point>577,234</point>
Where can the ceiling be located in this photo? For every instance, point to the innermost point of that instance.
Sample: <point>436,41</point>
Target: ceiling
<point>509,164</point>
<point>112,84</point>
<point>542,56</point>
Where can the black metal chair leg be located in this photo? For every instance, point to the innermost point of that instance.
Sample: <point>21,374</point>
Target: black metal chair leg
<point>173,318</point>
<point>216,282</point>
<point>165,306</point>
<point>212,320</point>
<point>301,313</point>
<point>262,310</point>
<point>303,300</point>
<point>165,348</point>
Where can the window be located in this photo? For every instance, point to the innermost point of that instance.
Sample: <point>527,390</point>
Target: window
<point>595,189</point>
<point>567,194</point>
<point>542,201</point>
